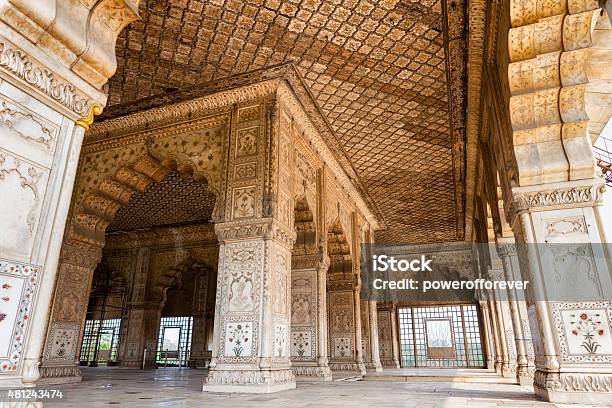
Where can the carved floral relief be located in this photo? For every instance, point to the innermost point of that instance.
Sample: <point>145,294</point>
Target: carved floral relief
<point>239,339</point>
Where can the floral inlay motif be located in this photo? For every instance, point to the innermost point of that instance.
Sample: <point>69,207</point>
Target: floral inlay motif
<point>588,326</point>
<point>238,339</point>
<point>301,343</point>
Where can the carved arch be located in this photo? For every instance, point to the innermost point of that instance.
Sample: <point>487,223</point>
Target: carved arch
<point>99,206</point>
<point>163,281</point>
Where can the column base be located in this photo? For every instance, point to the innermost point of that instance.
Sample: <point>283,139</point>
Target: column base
<point>199,362</point>
<point>374,366</point>
<point>249,381</point>
<point>508,370</point>
<point>574,388</point>
<point>348,369</point>
<point>54,375</point>
<point>390,363</point>
<point>524,377</point>
<point>312,373</point>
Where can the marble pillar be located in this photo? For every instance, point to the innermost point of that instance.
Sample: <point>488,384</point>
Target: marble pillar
<point>142,333</point>
<point>199,355</point>
<point>494,319</point>
<point>309,318</point>
<point>252,318</point>
<point>386,331</point>
<point>559,79</point>
<point>375,363</point>
<point>51,86</point>
<point>251,345</point>
<point>518,310</point>
<point>489,342</point>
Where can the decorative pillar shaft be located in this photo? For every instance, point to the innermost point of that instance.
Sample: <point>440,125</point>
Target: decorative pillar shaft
<point>395,337</point>
<point>560,83</point>
<point>495,331</point>
<point>489,346</point>
<point>374,346</point>
<point>48,98</point>
<point>309,318</point>
<point>385,324</point>
<point>507,253</point>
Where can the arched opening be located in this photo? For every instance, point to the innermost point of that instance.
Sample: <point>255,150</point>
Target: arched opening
<point>148,233</point>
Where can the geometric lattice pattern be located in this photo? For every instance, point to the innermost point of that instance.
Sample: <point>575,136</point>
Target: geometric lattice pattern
<point>375,67</point>
<point>464,336</point>
<point>173,201</point>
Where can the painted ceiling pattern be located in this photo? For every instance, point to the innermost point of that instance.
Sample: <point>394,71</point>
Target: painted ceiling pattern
<point>377,68</point>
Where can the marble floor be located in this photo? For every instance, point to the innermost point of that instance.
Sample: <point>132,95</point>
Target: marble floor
<point>181,388</point>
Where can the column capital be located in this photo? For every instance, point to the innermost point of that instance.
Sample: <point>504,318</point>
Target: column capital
<point>551,196</point>
<point>265,228</point>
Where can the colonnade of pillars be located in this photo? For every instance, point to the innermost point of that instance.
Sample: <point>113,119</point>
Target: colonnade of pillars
<point>556,97</point>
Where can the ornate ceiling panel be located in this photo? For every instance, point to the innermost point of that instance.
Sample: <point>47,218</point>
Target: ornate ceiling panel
<point>174,201</point>
<point>377,68</point>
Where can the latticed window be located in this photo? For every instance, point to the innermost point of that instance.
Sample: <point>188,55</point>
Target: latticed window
<point>100,341</point>
<point>174,343</point>
<point>440,336</point>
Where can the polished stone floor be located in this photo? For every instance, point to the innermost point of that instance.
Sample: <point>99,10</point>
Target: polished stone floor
<point>181,388</point>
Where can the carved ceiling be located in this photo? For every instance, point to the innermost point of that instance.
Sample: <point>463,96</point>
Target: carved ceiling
<point>377,68</point>
<point>176,200</point>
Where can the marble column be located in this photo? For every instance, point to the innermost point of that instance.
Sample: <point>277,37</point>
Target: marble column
<point>309,359</point>
<point>489,345</point>
<point>251,340</point>
<point>504,320</point>
<point>395,336</point>
<point>498,363</point>
<point>559,77</point>
<point>199,355</point>
<point>385,325</point>
<point>142,333</point>
<point>374,346</point>
<point>51,85</point>
<point>358,327</point>
<point>518,310</point>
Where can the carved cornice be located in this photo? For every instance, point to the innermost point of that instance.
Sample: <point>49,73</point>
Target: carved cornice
<point>161,236</point>
<point>176,110</point>
<point>264,228</point>
<point>560,195</point>
<point>17,63</point>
